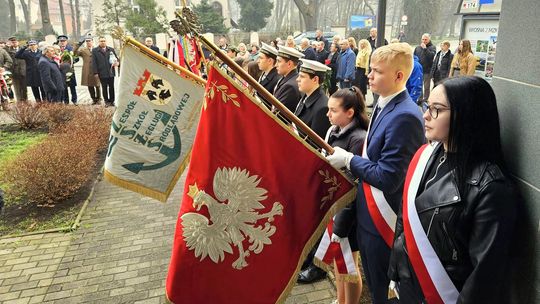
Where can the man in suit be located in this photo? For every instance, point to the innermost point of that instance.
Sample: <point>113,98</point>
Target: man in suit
<point>30,54</point>
<point>441,64</point>
<point>286,90</point>
<point>395,133</point>
<point>149,42</point>
<point>267,64</point>
<point>51,77</point>
<point>104,60</point>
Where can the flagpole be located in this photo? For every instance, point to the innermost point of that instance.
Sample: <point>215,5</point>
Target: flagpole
<point>266,95</point>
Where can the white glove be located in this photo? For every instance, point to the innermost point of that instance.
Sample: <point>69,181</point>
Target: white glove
<point>340,158</point>
<point>335,238</point>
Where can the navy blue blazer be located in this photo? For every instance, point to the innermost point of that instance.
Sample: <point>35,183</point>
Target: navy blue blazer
<point>392,141</point>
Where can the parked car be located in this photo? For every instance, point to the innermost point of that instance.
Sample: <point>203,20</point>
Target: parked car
<point>311,36</point>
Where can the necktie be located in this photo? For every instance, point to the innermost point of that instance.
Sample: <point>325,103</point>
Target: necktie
<point>300,106</point>
<point>375,114</point>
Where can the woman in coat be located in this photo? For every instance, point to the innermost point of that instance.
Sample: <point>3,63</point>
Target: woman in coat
<point>454,231</point>
<point>362,65</point>
<point>464,61</point>
<point>347,114</point>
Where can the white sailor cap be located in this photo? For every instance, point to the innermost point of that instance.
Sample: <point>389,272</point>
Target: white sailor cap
<point>289,53</point>
<point>313,67</point>
<point>268,50</point>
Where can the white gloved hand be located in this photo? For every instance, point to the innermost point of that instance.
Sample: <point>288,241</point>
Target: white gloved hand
<point>340,158</point>
<point>335,238</point>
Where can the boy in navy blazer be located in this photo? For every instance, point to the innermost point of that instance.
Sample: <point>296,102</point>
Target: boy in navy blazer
<point>396,132</point>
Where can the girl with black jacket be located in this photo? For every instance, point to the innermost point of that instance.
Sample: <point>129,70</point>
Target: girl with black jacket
<point>347,114</point>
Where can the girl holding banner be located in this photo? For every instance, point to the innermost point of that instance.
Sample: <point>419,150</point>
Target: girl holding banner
<point>454,231</point>
<point>338,247</point>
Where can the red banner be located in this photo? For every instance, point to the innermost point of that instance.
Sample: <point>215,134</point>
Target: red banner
<point>256,198</point>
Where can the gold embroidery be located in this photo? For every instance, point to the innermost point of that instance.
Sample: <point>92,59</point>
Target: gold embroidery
<point>334,186</point>
<point>230,223</point>
<point>214,88</point>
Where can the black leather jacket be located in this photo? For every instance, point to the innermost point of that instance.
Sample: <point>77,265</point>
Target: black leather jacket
<point>471,233</point>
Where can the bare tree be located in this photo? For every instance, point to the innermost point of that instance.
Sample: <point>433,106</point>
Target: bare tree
<point>26,13</point>
<point>45,20</point>
<point>62,16</point>
<point>12,17</point>
<point>78,18</point>
<point>73,23</point>
<point>310,12</point>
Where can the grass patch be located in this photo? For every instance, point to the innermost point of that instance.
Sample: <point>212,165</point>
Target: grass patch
<point>13,143</point>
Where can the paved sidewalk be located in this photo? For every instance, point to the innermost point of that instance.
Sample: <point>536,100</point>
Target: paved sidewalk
<point>120,254</point>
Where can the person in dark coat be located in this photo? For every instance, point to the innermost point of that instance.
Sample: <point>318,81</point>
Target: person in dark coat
<point>31,56</point>
<point>104,60</point>
<point>51,77</point>
<point>69,74</point>
<point>18,70</point>
<point>320,37</point>
<point>267,64</point>
<point>312,110</point>
<point>313,105</point>
<point>347,114</point>
<point>463,203</point>
<point>333,62</point>
<point>442,62</point>
<point>149,42</point>
<point>426,52</point>
<point>307,50</point>
<point>321,54</point>
<point>286,90</point>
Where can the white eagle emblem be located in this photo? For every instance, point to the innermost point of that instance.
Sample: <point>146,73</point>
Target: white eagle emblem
<point>233,218</point>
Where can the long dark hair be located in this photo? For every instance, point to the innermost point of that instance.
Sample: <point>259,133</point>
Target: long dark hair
<point>474,125</point>
<point>352,98</point>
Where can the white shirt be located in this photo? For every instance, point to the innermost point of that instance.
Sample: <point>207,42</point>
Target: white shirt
<point>383,101</point>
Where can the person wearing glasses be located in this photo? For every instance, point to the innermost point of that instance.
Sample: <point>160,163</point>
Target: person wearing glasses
<point>454,231</point>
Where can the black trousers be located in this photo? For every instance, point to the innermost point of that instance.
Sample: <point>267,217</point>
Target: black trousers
<point>375,256</point>
<point>39,94</point>
<point>95,93</point>
<point>73,91</point>
<point>107,87</point>
<point>361,80</point>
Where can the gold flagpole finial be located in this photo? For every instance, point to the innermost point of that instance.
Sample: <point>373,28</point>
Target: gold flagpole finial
<point>119,33</point>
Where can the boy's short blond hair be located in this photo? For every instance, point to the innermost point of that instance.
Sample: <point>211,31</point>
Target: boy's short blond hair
<point>398,55</point>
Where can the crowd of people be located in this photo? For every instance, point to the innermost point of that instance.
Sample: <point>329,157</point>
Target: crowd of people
<point>48,69</point>
<point>435,209</point>
<point>434,196</point>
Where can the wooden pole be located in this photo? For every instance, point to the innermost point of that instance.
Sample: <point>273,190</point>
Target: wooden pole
<point>267,96</point>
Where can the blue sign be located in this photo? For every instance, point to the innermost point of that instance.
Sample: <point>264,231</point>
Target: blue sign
<point>487,1</point>
<point>362,21</point>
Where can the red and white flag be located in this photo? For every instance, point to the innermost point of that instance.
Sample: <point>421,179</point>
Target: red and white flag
<point>256,199</point>
<point>341,253</point>
<point>434,280</point>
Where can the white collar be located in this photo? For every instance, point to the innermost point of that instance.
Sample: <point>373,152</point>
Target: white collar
<point>383,101</point>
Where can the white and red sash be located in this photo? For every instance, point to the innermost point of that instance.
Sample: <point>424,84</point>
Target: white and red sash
<point>381,213</point>
<point>341,253</point>
<point>435,282</point>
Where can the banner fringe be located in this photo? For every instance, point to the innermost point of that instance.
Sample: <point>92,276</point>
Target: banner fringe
<point>338,205</point>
